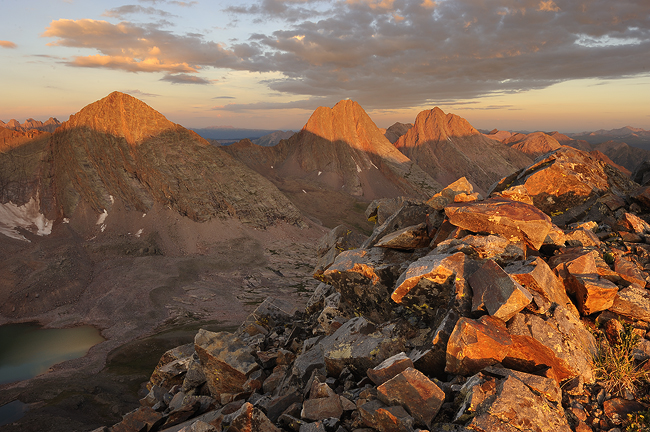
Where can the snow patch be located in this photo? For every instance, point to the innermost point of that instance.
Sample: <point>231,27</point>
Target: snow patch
<point>139,233</point>
<point>66,220</point>
<point>103,227</point>
<point>26,216</point>
<point>320,172</point>
<point>304,191</point>
<point>102,218</point>
<point>112,199</point>
<point>358,168</point>
<point>144,214</point>
<point>374,165</point>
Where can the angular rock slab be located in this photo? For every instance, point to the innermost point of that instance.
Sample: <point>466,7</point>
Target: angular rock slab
<point>339,239</point>
<point>411,389</point>
<point>510,219</point>
<point>359,346</point>
<point>529,355</point>
<point>536,276</point>
<point>448,195</point>
<point>579,273</point>
<point>564,334</point>
<point>226,361</point>
<point>389,368</point>
<point>484,247</point>
<point>633,302</point>
<point>364,277</point>
<point>475,344</point>
<point>628,270</point>
<point>377,415</point>
<point>412,237</point>
<point>434,283</point>
<point>496,292</point>
<point>249,419</point>
<point>516,408</point>
<point>566,183</point>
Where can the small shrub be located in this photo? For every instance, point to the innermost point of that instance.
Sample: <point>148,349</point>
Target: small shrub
<point>614,364</point>
<point>638,422</point>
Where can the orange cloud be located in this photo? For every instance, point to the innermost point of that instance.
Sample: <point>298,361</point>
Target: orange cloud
<point>7,44</point>
<point>131,48</point>
<point>132,65</point>
<point>548,6</point>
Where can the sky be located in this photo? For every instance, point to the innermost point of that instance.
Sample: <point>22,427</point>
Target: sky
<point>567,65</point>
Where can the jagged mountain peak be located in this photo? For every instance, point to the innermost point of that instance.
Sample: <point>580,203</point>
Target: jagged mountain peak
<point>448,147</point>
<point>119,147</point>
<point>121,115</point>
<point>347,121</point>
<point>435,125</point>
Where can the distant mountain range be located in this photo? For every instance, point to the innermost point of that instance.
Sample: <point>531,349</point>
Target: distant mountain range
<point>30,124</point>
<point>229,134</point>
<point>632,136</point>
<point>624,156</point>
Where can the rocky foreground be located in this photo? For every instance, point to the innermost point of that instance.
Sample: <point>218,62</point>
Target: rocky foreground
<point>456,314</point>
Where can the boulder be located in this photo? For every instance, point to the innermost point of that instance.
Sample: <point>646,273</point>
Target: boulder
<point>248,419</point>
<point>365,277</point>
<point>635,223</point>
<point>411,237</point>
<point>632,302</point>
<point>581,238</point>
<point>141,419</point>
<point>434,284</point>
<point>226,361</point>
<point>339,239</point>
<point>484,247</point>
<point>529,355</point>
<point>322,408</point>
<point>409,214</point>
<point>475,344</point>
<point>547,387</point>
<point>171,367</point>
<point>537,277</point>
<point>496,292</point>
<point>566,183</point>
<point>579,273</point>
<point>510,219</point>
<point>359,345</point>
<point>628,270</point>
<point>515,407</point>
<point>389,368</point>
<point>416,393</point>
<point>564,334</point>
<point>377,415</point>
<point>460,187</point>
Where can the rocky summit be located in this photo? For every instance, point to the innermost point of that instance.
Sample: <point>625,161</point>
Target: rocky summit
<point>457,314</point>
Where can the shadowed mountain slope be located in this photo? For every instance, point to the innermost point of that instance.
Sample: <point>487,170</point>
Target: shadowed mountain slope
<point>340,152</point>
<point>447,147</point>
<point>534,144</point>
<point>118,147</point>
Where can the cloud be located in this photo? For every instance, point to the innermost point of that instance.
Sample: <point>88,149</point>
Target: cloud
<point>388,53</point>
<point>307,104</point>
<point>7,44</point>
<point>129,47</point>
<point>185,79</point>
<point>138,93</point>
<point>123,11</point>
